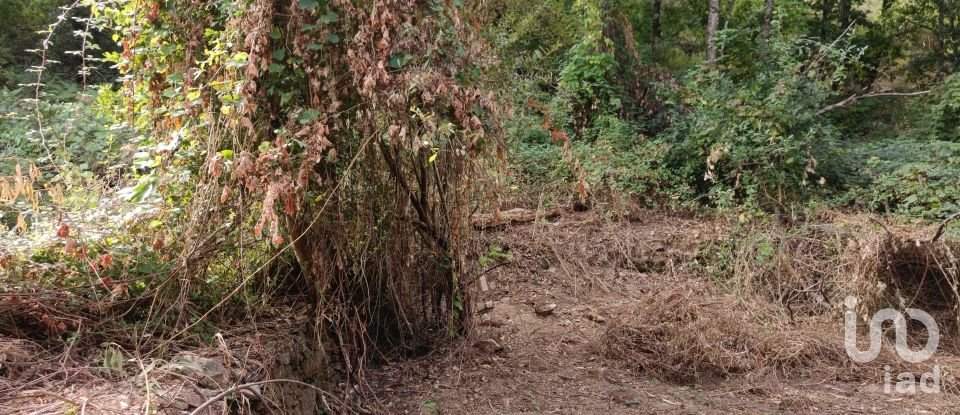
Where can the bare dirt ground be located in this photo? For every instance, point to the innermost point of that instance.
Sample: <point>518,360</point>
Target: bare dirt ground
<point>527,357</point>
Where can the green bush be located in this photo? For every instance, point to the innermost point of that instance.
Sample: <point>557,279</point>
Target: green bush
<point>618,158</point>
<point>938,115</point>
<point>74,132</point>
<point>758,141</point>
<point>916,179</point>
<point>617,161</point>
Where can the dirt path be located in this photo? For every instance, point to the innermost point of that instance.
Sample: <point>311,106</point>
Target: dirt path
<point>526,359</point>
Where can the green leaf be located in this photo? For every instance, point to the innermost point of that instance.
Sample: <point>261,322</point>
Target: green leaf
<point>143,189</point>
<point>308,4</point>
<point>397,61</point>
<point>330,17</point>
<point>333,38</point>
<point>275,68</point>
<point>308,115</point>
<point>285,97</point>
<point>238,60</point>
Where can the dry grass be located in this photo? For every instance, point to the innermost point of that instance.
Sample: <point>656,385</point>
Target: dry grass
<point>808,270</point>
<point>689,333</point>
<point>781,308</point>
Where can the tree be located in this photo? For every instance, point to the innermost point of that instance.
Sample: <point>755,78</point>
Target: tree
<point>928,35</point>
<point>713,22</point>
<point>656,31</point>
<point>767,21</point>
<point>845,13</point>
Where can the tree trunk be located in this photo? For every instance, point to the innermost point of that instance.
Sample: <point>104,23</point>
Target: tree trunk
<point>943,37</point>
<point>845,8</point>
<point>713,21</point>
<point>826,7</point>
<point>767,23</point>
<point>657,31</point>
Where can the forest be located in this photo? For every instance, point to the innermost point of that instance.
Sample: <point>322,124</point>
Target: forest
<point>479,206</point>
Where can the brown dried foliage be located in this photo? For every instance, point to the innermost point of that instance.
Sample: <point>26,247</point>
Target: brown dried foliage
<point>689,333</point>
<point>371,193</point>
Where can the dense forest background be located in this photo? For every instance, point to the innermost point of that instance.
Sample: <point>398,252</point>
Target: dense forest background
<point>165,163</point>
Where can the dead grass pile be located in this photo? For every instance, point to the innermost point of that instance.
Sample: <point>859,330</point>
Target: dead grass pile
<point>924,274</point>
<point>580,249</point>
<point>809,270</point>
<point>17,360</point>
<point>776,300</point>
<point>689,333</point>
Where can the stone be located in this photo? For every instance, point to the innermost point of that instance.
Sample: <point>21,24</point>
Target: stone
<point>206,371</point>
<point>489,346</point>
<point>545,309</point>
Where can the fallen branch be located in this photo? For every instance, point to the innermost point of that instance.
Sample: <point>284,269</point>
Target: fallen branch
<point>943,226</point>
<point>516,216</point>
<point>857,97</point>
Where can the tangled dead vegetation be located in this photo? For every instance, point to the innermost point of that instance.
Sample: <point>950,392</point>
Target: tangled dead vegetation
<point>692,333</point>
<point>271,367</point>
<point>810,269</point>
<point>775,304</point>
<point>688,333</point>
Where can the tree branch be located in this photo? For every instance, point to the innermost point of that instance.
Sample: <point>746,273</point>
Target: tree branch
<point>857,97</point>
<point>943,226</point>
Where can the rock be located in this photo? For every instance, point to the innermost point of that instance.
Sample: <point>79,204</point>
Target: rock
<point>489,346</point>
<point>596,317</point>
<point>252,392</point>
<point>180,397</point>
<point>206,371</point>
<point>486,307</point>
<point>544,309</point>
<point>625,397</point>
<point>491,322</point>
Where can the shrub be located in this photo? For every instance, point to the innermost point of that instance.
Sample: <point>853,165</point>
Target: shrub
<point>629,164</point>
<point>756,141</point>
<point>939,114</point>
<point>916,179</point>
<point>617,160</point>
<point>74,133</point>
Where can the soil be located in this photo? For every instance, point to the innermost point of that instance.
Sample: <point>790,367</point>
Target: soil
<point>524,359</point>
